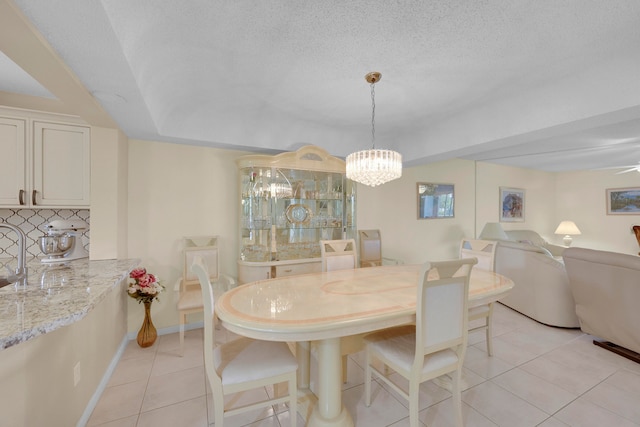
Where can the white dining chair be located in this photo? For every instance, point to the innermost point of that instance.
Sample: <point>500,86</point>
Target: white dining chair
<point>243,364</point>
<point>435,345</point>
<point>190,296</point>
<point>370,247</point>
<point>338,254</point>
<point>485,252</point>
<point>342,255</point>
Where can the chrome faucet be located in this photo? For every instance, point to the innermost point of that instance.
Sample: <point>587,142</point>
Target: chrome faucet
<point>21,271</point>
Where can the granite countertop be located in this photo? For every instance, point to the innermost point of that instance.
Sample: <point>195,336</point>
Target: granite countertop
<point>56,296</point>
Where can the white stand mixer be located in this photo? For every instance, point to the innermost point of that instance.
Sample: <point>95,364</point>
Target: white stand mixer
<point>62,227</point>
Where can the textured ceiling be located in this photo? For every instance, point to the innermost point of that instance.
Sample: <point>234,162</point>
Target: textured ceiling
<point>552,85</point>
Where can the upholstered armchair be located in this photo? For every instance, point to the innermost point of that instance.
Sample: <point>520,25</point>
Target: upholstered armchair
<point>541,288</point>
<point>606,289</point>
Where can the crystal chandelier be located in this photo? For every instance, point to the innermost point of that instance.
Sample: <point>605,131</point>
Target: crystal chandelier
<point>374,167</point>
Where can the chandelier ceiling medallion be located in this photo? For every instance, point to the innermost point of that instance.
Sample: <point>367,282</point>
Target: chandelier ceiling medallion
<point>374,167</point>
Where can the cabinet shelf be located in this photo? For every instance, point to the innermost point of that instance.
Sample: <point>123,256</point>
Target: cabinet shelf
<point>294,227</point>
<point>292,200</point>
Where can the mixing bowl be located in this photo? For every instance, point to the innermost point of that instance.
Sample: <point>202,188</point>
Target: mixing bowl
<point>56,246</point>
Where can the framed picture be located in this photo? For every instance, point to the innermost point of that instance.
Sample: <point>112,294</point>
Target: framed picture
<point>511,204</point>
<point>623,201</point>
<point>435,200</point>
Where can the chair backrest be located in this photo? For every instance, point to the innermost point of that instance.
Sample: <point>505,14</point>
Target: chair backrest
<point>370,248</point>
<point>442,306</point>
<point>205,247</point>
<point>483,250</point>
<point>200,270</point>
<point>338,254</point>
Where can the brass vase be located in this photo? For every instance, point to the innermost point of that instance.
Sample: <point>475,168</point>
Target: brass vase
<point>147,334</point>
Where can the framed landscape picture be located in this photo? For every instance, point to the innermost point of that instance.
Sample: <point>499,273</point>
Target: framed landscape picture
<point>435,200</point>
<point>511,204</point>
<point>623,201</point>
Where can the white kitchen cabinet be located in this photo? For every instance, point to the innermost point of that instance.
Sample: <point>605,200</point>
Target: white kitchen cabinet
<point>13,154</point>
<point>45,164</point>
<point>61,165</point>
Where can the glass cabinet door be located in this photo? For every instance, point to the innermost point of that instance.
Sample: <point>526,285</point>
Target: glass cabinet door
<point>285,212</point>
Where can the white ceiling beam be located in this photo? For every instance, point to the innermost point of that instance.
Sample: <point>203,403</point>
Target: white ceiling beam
<point>25,46</point>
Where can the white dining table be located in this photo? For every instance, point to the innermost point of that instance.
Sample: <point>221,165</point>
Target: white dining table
<point>326,306</point>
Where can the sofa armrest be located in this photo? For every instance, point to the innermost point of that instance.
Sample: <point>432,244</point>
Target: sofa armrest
<point>541,288</point>
<point>527,247</point>
<point>556,250</point>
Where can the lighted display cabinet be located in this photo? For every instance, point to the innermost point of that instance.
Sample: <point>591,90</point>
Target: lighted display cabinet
<point>289,202</point>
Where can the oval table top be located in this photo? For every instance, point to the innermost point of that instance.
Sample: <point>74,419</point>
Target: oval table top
<point>336,303</point>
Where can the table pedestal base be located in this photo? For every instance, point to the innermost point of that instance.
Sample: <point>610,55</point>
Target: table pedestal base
<point>329,410</point>
<point>307,408</point>
<point>342,420</point>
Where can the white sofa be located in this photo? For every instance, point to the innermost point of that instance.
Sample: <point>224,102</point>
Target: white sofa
<point>541,288</point>
<point>606,288</point>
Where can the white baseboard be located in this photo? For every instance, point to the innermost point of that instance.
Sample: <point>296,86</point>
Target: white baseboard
<point>114,363</point>
<point>170,330</point>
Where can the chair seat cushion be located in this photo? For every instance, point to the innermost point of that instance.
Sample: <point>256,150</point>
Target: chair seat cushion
<point>398,345</point>
<point>190,300</point>
<point>245,360</point>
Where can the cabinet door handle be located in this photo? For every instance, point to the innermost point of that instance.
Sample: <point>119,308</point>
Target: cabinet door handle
<point>288,271</point>
<point>21,197</point>
<point>33,197</point>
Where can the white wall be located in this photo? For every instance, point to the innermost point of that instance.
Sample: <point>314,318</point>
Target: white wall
<point>392,208</point>
<point>109,155</point>
<point>174,191</point>
<point>179,190</point>
<point>549,199</point>
<point>581,197</point>
<point>539,204</point>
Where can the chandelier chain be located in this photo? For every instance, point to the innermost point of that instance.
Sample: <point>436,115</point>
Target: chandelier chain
<point>373,115</point>
<point>373,167</point>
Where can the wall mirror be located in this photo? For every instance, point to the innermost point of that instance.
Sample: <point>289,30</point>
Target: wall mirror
<point>435,200</point>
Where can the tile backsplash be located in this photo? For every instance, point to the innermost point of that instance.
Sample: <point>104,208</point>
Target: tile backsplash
<point>32,222</point>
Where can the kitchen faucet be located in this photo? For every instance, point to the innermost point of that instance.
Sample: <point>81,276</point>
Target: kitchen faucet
<point>21,270</point>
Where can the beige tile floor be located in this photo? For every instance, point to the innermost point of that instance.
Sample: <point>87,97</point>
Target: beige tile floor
<point>538,376</point>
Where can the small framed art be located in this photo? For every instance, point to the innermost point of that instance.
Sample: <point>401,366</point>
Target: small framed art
<point>623,201</point>
<point>511,204</point>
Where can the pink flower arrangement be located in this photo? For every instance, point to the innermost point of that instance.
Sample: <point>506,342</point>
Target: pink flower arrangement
<point>143,286</point>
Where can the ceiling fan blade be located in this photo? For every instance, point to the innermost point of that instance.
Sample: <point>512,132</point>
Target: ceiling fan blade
<point>637,165</point>
<point>637,168</point>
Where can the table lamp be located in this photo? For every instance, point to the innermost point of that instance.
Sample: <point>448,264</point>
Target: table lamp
<point>493,231</point>
<point>568,228</point>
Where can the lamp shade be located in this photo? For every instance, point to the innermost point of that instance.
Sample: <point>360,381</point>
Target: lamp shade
<point>493,231</point>
<point>568,228</point>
